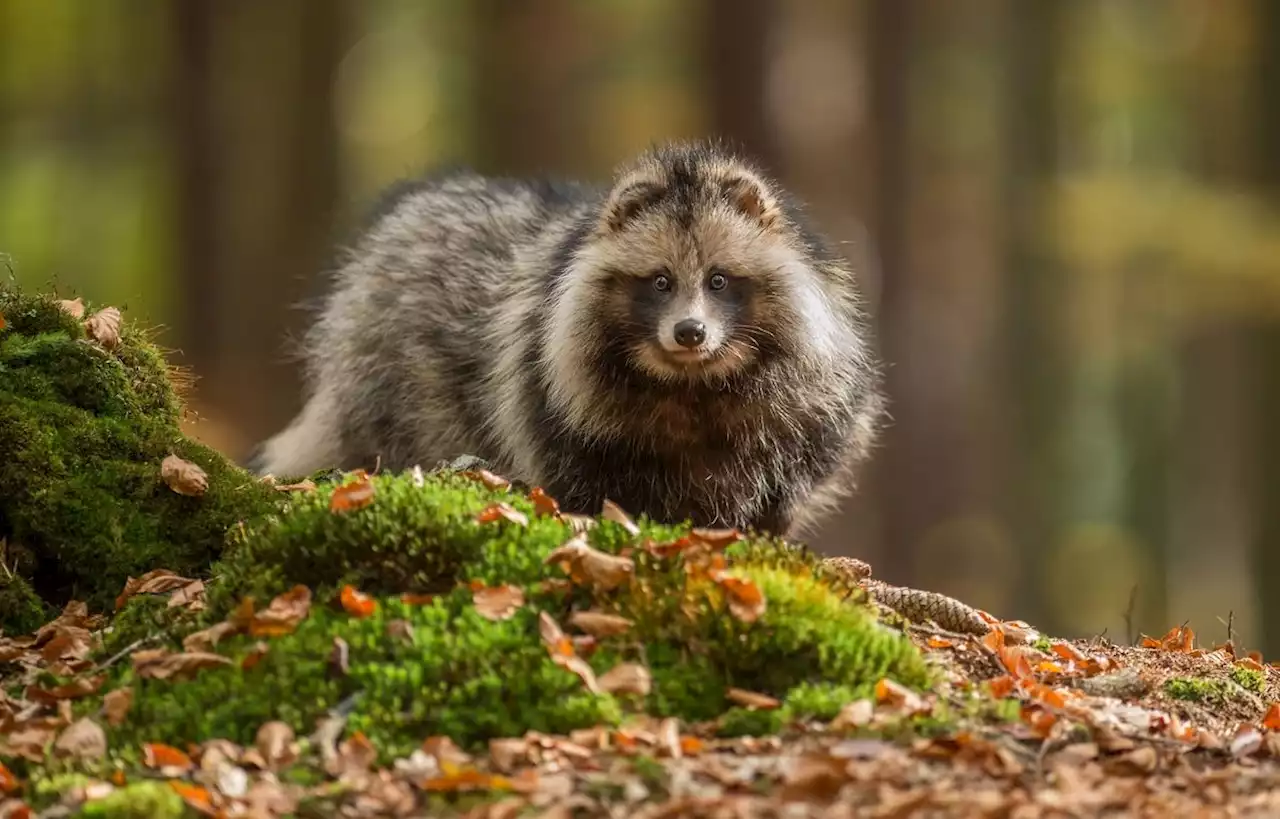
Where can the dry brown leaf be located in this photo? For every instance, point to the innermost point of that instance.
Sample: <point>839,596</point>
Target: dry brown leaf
<point>160,664</point>
<point>599,624</point>
<point>588,566</point>
<point>506,753</point>
<point>715,538</point>
<point>1139,761</point>
<point>1246,741</point>
<point>69,644</point>
<point>340,657</point>
<point>206,639</point>
<point>752,700</point>
<point>854,715</point>
<point>400,629</point>
<point>190,596</point>
<point>158,581</point>
<point>489,479</point>
<point>626,678</point>
<point>82,739</point>
<point>355,754</point>
<point>669,738</point>
<point>498,602</point>
<point>495,512</point>
<point>898,696</point>
<point>183,476</point>
<point>274,741</point>
<point>72,307</point>
<point>104,327</point>
<point>75,689</point>
<point>562,652</point>
<point>255,655</point>
<point>116,705</point>
<point>283,615</point>
<point>614,512</point>
<point>28,743</point>
<point>305,487</point>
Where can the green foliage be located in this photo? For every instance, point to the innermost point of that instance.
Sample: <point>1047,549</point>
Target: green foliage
<point>83,430</point>
<point>21,610</point>
<point>138,800</point>
<point>1195,689</point>
<point>820,701</point>
<point>1250,679</point>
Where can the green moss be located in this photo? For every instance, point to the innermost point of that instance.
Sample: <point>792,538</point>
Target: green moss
<point>746,722</point>
<point>1195,689</point>
<point>83,431</point>
<point>1044,644</point>
<point>820,701</point>
<point>1250,679</point>
<point>138,800</point>
<point>22,610</point>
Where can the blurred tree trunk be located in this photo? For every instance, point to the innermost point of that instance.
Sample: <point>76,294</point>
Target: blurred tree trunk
<point>1034,353</point>
<point>252,103</point>
<point>528,117</point>
<point>939,214</point>
<point>1267,544</point>
<point>735,64</point>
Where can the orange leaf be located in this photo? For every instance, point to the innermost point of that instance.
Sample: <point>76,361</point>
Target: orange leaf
<point>255,655</point>
<point>1001,686</point>
<point>356,603</point>
<point>691,746</point>
<point>1040,720</point>
<point>1250,663</point>
<point>898,696</point>
<point>939,642</point>
<point>994,640</point>
<point>746,601</point>
<point>495,512</point>
<point>489,479</point>
<point>467,779</point>
<point>1272,720</point>
<point>1048,667</point>
<point>159,755</point>
<point>194,795</point>
<point>412,599</point>
<point>2,322</point>
<point>8,782</point>
<point>351,496</point>
<point>715,538</point>
<point>283,615</point>
<point>1067,651</point>
<point>543,504</point>
<point>1015,662</point>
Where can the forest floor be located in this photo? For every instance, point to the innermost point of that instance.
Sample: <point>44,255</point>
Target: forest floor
<point>1092,729</point>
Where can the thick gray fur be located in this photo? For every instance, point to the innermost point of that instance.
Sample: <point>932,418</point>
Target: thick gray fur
<point>517,321</point>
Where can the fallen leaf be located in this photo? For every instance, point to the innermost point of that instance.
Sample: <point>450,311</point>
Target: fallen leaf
<point>412,599</point>
<point>898,696</point>
<point>502,511</point>
<point>75,689</point>
<point>356,603</point>
<point>543,504</point>
<point>8,782</point>
<point>3,323</point>
<point>231,779</point>
<point>599,624</point>
<point>854,715</point>
<point>274,741</point>
<point>255,655</point>
<point>939,642</point>
<point>715,538</point>
<point>206,639</point>
<point>626,678</point>
<point>116,705</point>
<point>184,477</point>
<point>589,566</point>
<point>498,602</point>
<point>305,487</point>
<point>562,652</point>
<point>166,759</point>
<point>190,596</point>
<point>489,479</point>
<point>400,629</point>
<point>283,615</point>
<point>1139,761</point>
<point>1272,719</point>
<point>72,307</point>
<point>104,327</point>
<point>1246,741</point>
<point>340,658</point>
<point>506,752</point>
<point>160,664</point>
<point>752,700</point>
<point>355,754</point>
<point>669,738</point>
<point>351,496</point>
<point>82,739</point>
<point>746,600</point>
<point>1249,663</point>
<point>158,581</point>
<point>195,796</point>
<point>613,512</point>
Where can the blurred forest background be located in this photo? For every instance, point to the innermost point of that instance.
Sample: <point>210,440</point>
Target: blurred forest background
<point>1066,214</point>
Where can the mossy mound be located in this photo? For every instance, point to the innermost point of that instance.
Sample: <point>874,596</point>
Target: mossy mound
<point>83,431</point>
<point>415,669</point>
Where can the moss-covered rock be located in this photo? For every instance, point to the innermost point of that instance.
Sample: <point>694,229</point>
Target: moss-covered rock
<point>83,430</point>
<point>445,669</point>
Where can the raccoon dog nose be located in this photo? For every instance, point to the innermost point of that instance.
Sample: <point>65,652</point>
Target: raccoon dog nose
<point>690,333</point>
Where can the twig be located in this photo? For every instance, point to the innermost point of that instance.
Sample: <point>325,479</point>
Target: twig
<point>129,649</point>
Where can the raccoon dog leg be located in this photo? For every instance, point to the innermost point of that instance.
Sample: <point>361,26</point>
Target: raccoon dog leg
<point>310,443</point>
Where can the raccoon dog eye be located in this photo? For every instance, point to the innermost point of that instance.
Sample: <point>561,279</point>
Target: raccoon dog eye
<point>662,282</point>
<point>718,281</point>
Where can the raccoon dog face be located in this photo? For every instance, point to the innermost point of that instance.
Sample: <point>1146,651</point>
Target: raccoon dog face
<point>694,273</point>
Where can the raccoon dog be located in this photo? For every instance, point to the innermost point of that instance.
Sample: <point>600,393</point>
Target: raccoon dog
<point>679,343</point>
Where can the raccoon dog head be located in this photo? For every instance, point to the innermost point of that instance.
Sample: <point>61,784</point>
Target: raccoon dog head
<point>695,272</point>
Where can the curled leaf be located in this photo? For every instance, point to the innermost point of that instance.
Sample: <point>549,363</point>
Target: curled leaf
<point>116,705</point>
<point>543,504</point>
<point>752,700</point>
<point>82,739</point>
<point>283,615</point>
<point>184,477</point>
<point>356,603</point>
<point>591,567</point>
<point>170,761</point>
<point>104,327</point>
<point>715,538</point>
<point>626,678</point>
<point>614,512</point>
<point>498,602</point>
<point>746,600</point>
<point>495,512</point>
<point>355,495</point>
<point>599,624</point>
<point>72,307</point>
<point>275,742</point>
<point>160,664</point>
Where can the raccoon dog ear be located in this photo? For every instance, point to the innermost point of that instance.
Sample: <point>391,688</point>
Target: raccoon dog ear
<point>750,196</point>
<point>627,201</point>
